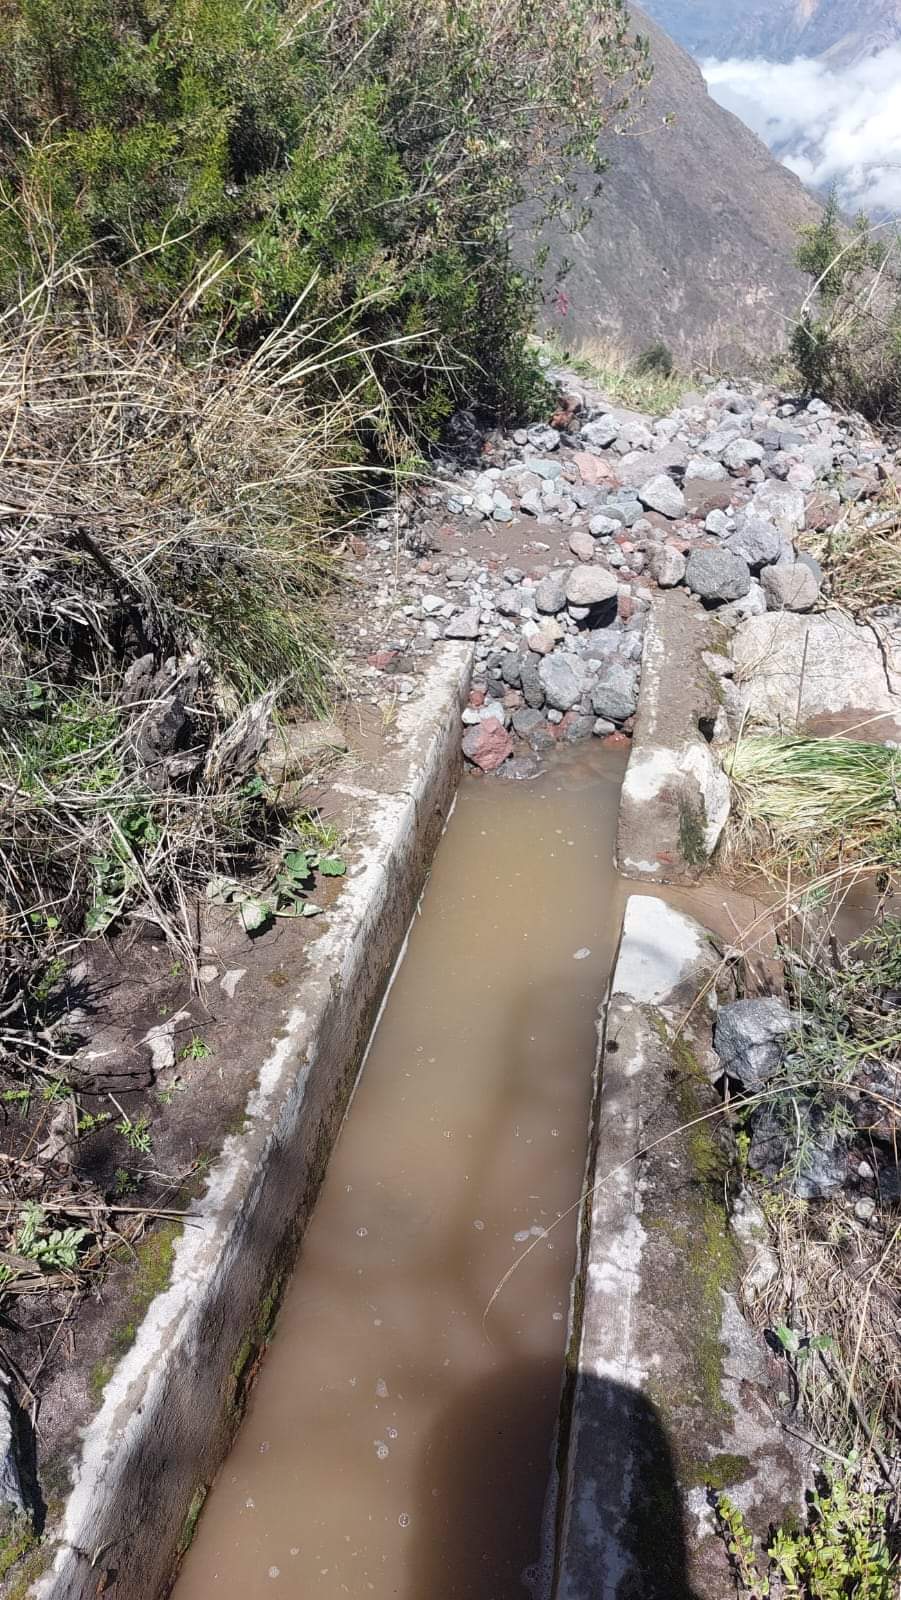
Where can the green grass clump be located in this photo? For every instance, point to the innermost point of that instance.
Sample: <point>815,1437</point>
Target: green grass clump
<point>816,799</point>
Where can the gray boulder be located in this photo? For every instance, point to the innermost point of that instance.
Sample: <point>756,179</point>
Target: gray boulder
<point>757,541</point>
<point>742,454</point>
<point>562,679</point>
<point>749,1039</point>
<point>550,595</point>
<point>465,625</point>
<point>791,586</point>
<point>668,566</point>
<point>530,682</point>
<point>615,695</point>
<point>794,1146</point>
<point>717,575</point>
<point>590,586</point>
<point>663,495</point>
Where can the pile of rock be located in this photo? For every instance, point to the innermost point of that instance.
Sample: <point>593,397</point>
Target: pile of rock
<point>716,497</point>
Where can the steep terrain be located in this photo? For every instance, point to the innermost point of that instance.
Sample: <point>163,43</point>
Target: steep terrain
<point>843,30</point>
<point>693,237</point>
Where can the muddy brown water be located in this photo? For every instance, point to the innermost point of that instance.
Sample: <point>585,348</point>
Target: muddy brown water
<point>397,1442</point>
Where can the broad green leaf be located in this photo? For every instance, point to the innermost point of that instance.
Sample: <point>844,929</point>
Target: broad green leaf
<point>254,913</point>
<point>310,910</point>
<point>333,866</point>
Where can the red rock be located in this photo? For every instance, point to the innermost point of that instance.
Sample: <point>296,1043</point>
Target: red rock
<point>615,741</point>
<point>512,700</point>
<point>383,659</point>
<point>591,468</point>
<point>476,698</point>
<point>487,745</point>
<point>425,565</point>
<point>625,605</point>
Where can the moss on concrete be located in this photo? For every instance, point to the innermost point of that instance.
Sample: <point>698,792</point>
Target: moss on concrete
<point>189,1526</point>
<point>151,1264</point>
<point>17,1540</point>
<point>720,1472</point>
<point>691,835</point>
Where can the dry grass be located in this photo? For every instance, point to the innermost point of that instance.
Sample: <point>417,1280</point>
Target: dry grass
<point>813,802</point>
<point>861,555</point>
<point>617,373</point>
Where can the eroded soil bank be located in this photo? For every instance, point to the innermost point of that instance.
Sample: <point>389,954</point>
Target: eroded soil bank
<point>395,1442</point>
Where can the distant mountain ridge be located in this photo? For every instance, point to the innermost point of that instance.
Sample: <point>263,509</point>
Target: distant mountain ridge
<point>778,30</point>
<point>693,237</point>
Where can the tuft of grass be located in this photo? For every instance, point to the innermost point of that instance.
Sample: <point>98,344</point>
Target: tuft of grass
<point>647,382</point>
<point>815,799</point>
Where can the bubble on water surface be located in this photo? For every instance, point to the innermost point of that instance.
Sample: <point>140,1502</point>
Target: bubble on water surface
<point>522,1236</point>
<point>403,1520</point>
<point>264,1447</point>
<point>381,1389</point>
<point>479,1225</point>
<point>391,1432</point>
<point>582,954</point>
<point>249,1504</point>
<point>362,1232</point>
<point>295,1549</point>
<point>273,1572</point>
<point>381,1450</point>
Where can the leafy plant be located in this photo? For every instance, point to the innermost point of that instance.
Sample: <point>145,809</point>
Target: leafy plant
<point>845,1551</point>
<point>136,1133</point>
<point>286,896</point>
<point>364,158</point>
<point>50,1248</point>
<point>196,1050</point>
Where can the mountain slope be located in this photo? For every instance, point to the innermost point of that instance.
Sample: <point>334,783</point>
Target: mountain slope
<point>693,237</point>
<point>777,30</point>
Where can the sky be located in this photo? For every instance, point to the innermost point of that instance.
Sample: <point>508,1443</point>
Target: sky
<point>828,124</point>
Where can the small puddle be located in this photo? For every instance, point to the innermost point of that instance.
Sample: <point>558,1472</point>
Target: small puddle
<point>394,1444</point>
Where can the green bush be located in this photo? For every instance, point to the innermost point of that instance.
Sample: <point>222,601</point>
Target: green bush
<point>362,154</point>
<point>847,341</point>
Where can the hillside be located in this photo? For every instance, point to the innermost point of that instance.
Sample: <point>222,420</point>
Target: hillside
<point>844,30</point>
<point>693,237</point>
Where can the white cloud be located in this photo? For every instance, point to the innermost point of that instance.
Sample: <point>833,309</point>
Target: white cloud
<point>838,125</point>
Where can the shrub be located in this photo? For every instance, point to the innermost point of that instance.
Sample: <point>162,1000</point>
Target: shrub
<point>656,358</point>
<point>361,154</point>
<point>847,341</point>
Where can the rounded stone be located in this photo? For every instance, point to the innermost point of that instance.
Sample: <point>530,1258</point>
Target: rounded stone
<point>717,575</point>
<point>590,586</point>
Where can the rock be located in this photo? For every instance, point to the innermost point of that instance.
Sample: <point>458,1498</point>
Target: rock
<point>590,586</point>
<point>543,437</point>
<point>487,746</point>
<point>590,468</point>
<point>615,695</point>
<point>543,640</point>
<point>742,454</point>
<point>562,678</point>
<point>604,527</point>
<point>791,586</point>
<point>704,469</point>
<point>795,669</point>
<point>602,728</point>
<point>663,495</point>
<point>465,625</point>
<point>575,727</point>
<point>503,507</point>
<point>865,1209</point>
<point>601,433</point>
<point>758,542</point>
<point>781,505</point>
<point>545,468</point>
<point>550,595</point>
<point>794,1145</point>
<point>531,503</point>
<point>753,604</point>
<point>716,523</point>
<point>530,682</point>
<point>749,1038</point>
<point>717,575</point>
<point>668,566</point>
<point>526,721</point>
<point>582,545</point>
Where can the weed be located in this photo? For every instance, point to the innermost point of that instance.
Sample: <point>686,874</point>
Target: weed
<point>844,1551</point>
<point>136,1133</point>
<point>643,384</point>
<point>197,1050</point>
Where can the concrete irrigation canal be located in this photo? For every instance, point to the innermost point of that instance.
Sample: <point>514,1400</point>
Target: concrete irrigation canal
<point>472,1294</point>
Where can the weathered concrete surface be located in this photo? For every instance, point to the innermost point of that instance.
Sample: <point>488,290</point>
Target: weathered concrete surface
<point>671,1390</point>
<point>675,797</point>
<point>169,1409</point>
<point>793,672</point>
